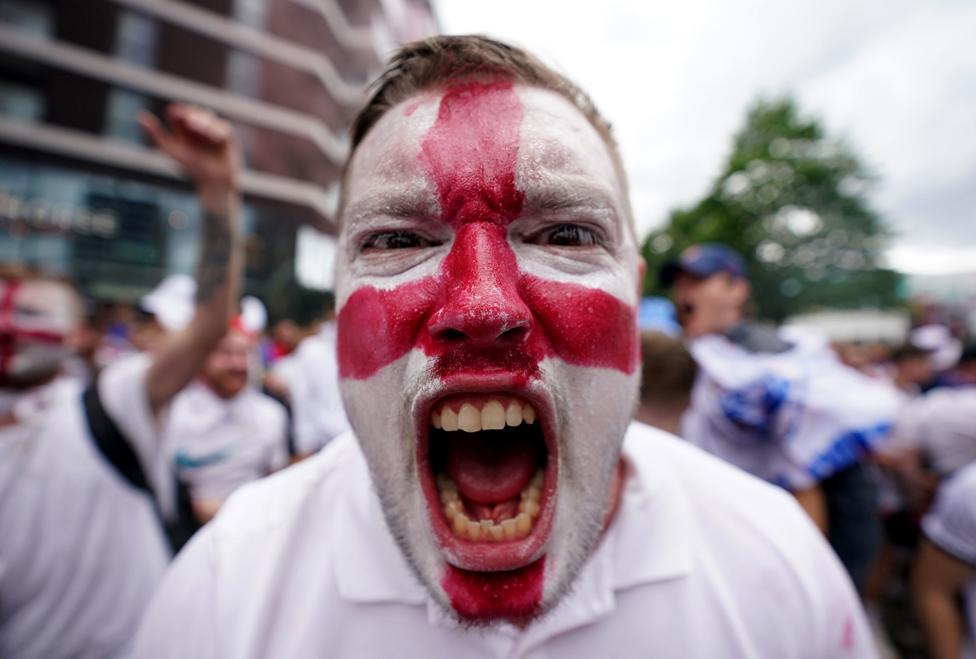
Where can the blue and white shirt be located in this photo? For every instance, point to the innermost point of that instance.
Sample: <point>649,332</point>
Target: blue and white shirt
<point>783,407</point>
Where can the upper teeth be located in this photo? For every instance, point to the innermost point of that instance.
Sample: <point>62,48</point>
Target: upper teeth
<point>492,415</point>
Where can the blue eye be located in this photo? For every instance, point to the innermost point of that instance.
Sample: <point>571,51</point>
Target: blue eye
<point>570,235</point>
<point>395,240</point>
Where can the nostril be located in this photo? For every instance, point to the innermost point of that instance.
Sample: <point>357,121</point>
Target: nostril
<point>451,335</point>
<point>516,333</point>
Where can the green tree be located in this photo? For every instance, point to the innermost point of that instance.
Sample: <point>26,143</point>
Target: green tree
<point>793,202</point>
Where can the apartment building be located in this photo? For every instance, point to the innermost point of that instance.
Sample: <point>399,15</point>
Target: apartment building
<point>83,195</point>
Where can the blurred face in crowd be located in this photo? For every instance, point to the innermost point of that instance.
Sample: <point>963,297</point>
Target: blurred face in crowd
<point>286,334</point>
<point>226,369</point>
<point>709,305</point>
<point>486,288</point>
<point>36,316</point>
<point>147,333</point>
<point>915,370</point>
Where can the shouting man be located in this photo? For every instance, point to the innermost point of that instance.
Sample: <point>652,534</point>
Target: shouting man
<point>487,284</point>
<point>779,404</point>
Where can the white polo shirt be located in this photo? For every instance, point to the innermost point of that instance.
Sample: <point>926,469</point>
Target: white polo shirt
<point>702,561</point>
<point>81,550</point>
<point>216,445</point>
<point>311,373</point>
<point>951,525</point>
<point>941,425</point>
<point>793,417</point>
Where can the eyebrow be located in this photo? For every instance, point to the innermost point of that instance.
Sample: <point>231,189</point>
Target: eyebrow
<point>559,195</point>
<point>393,202</point>
<point>546,194</point>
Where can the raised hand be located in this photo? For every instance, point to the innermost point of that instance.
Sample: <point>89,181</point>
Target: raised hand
<point>204,147</point>
<point>202,144</point>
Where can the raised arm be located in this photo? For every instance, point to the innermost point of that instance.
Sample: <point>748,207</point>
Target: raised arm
<point>205,148</point>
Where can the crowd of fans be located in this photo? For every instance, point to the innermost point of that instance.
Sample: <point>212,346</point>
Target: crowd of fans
<point>267,395</point>
<point>122,424</point>
<point>896,501</point>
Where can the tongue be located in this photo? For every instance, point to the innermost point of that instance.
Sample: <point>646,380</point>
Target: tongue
<point>490,466</point>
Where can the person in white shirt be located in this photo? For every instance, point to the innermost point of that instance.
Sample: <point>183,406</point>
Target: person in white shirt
<point>84,493</point>
<point>945,568</point>
<point>221,431</point>
<point>780,405</point>
<point>488,503</point>
<point>938,429</point>
<point>309,379</point>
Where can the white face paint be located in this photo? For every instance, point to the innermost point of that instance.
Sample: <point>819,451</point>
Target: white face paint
<point>36,316</point>
<point>486,260</point>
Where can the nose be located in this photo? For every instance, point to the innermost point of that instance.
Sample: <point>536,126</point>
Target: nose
<point>482,305</point>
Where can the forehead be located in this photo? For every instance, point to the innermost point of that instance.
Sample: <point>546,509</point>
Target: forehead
<point>37,293</point>
<point>690,281</point>
<point>560,156</point>
<point>235,340</point>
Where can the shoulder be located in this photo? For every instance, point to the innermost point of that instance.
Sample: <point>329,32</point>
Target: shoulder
<point>265,407</point>
<point>311,347</point>
<point>120,378</point>
<point>265,505</point>
<point>256,558</point>
<point>708,482</point>
<point>951,523</point>
<point>739,520</point>
<point>954,402</point>
<point>751,541</point>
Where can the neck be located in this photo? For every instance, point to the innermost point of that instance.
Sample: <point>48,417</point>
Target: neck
<point>616,492</point>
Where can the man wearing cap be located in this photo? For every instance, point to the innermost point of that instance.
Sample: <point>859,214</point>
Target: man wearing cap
<point>494,498</point>
<point>779,404</point>
<point>84,491</point>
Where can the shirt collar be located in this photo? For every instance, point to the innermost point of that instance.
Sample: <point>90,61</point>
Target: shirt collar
<point>650,540</point>
<point>369,565</point>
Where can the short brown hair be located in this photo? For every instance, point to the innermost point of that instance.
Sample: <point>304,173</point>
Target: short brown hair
<point>433,62</point>
<point>668,370</point>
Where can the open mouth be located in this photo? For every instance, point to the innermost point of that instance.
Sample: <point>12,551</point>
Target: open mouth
<point>488,473</point>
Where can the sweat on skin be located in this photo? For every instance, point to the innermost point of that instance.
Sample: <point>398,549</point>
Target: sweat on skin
<point>486,257</point>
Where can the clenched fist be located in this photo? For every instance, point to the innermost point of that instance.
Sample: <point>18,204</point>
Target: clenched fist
<point>202,144</point>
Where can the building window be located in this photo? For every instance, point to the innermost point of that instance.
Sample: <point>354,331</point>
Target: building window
<point>121,115</point>
<point>21,102</point>
<point>251,12</point>
<point>34,17</point>
<point>135,40</point>
<point>243,73</point>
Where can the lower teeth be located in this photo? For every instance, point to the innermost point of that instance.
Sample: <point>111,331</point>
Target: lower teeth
<point>512,528</point>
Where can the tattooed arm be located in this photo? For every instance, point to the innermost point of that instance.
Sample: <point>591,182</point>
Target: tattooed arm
<point>204,147</point>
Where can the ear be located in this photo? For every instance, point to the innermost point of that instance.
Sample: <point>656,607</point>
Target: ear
<point>740,291</point>
<point>641,271</point>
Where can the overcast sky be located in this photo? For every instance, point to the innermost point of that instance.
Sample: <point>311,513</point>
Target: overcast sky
<point>895,78</point>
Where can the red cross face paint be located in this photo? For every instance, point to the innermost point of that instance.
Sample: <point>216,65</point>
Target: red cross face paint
<point>35,317</point>
<point>486,285</point>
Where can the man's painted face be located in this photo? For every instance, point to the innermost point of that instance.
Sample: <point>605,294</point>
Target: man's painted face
<point>35,318</point>
<point>486,285</point>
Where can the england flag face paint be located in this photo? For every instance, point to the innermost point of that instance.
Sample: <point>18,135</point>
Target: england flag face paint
<point>36,316</point>
<point>486,286</point>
